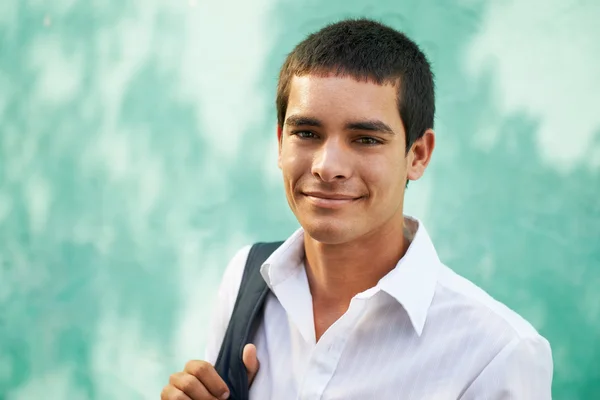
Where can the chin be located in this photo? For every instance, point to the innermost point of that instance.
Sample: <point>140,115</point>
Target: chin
<point>329,232</point>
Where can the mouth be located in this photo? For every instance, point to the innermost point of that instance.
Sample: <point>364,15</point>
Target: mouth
<point>330,200</point>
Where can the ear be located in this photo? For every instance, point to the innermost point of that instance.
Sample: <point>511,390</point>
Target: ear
<point>420,155</point>
<point>279,137</point>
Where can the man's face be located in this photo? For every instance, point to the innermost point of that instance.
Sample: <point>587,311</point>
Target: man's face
<point>342,154</point>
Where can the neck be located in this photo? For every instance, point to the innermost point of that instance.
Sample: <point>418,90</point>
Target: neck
<point>338,272</point>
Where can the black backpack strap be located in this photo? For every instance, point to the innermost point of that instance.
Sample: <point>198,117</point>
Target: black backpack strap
<point>246,315</point>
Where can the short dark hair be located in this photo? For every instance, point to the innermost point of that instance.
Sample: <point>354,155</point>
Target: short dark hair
<point>366,50</point>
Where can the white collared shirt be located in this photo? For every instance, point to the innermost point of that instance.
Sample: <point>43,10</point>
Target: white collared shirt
<point>423,332</point>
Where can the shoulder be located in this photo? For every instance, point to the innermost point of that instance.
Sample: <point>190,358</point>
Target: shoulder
<point>224,303</point>
<point>498,341</point>
<point>470,300</point>
<point>232,277</point>
<point>508,355</point>
<point>486,326</point>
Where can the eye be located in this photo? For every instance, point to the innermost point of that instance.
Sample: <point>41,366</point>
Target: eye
<point>369,141</point>
<point>304,134</point>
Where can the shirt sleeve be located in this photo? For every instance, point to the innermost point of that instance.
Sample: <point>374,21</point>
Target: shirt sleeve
<point>521,371</point>
<point>224,303</point>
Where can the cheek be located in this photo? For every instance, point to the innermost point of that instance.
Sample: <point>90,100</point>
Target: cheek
<point>385,179</point>
<point>293,163</point>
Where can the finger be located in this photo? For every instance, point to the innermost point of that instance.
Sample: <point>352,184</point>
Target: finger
<point>190,386</point>
<point>170,392</point>
<point>250,361</point>
<point>209,377</point>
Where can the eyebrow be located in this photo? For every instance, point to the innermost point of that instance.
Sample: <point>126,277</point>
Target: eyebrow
<point>371,125</point>
<point>367,125</point>
<point>298,120</point>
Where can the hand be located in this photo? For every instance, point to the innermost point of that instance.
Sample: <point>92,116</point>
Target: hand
<point>200,381</point>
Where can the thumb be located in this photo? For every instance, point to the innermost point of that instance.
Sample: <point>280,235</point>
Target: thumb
<point>250,361</point>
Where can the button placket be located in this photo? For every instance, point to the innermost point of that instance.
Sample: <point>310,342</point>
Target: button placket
<point>328,351</point>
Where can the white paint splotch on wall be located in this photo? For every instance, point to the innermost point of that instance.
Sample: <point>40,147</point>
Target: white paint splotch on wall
<point>223,58</point>
<point>59,72</point>
<point>544,57</point>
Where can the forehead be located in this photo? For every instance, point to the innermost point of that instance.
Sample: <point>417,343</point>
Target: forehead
<point>331,96</point>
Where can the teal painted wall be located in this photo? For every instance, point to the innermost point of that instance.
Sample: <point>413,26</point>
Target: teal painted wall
<point>138,152</point>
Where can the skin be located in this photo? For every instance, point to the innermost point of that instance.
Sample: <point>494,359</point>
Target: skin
<point>344,165</point>
<point>200,381</point>
<point>342,156</point>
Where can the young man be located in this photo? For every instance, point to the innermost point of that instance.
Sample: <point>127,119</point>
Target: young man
<point>359,305</point>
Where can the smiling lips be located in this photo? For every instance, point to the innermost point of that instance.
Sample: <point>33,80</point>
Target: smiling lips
<point>329,200</point>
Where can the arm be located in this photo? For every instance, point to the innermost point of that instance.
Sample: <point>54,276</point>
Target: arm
<point>521,371</point>
<point>224,303</point>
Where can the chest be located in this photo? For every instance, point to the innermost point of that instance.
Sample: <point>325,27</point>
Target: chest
<point>324,318</point>
<point>369,352</point>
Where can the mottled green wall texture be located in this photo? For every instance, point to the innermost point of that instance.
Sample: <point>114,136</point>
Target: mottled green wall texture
<point>138,152</point>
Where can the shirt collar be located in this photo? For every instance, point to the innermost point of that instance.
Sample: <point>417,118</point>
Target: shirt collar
<point>412,282</point>
<point>285,261</point>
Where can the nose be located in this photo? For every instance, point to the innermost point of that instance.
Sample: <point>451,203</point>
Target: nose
<point>332,162</point>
